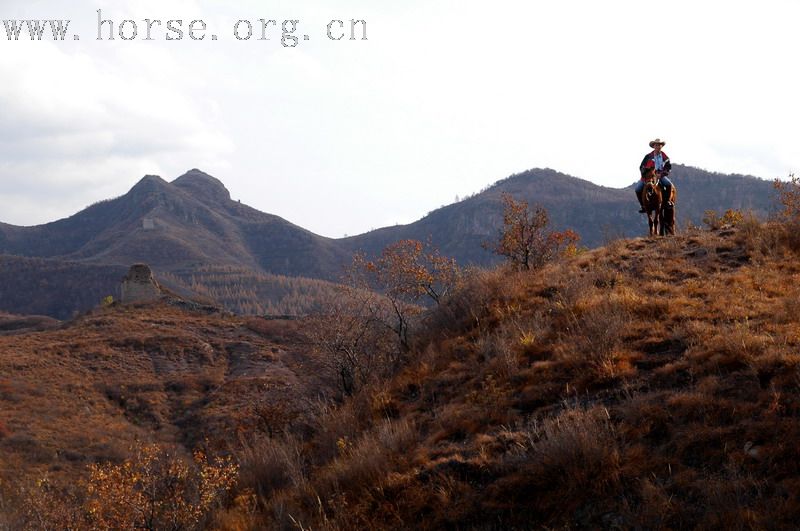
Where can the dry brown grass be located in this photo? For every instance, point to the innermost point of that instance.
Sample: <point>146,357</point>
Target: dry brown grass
<point>84,394</point>
<point>653,384</point>
<point>577,448</point>
<point>269,464</point>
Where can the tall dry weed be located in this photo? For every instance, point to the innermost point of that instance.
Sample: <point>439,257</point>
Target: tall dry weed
<point>579,448</point>
<point>270,464</point>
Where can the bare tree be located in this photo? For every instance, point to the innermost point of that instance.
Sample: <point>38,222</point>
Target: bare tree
<point>364,331</point>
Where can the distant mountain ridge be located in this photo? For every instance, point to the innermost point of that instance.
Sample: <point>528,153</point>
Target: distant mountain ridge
<point>170,225</point>
<point>191,231</point>
<point>597,213</point>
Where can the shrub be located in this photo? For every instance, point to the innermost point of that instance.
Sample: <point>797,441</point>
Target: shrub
<point>469,304</point>
<point>157,489</point>
<point>556,465</point>
<point>525,240</point>
<point>365,330</point>
<point>270,464</point>
<point>43,505</point>
<point>731,218</point>
<point>789,198</point>
<point>789,216</point>
<point>354,343</point>
<point>579,448</point>
<point>410,269</point>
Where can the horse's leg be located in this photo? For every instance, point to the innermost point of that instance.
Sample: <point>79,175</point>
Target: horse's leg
<point>658,219</point>
<point>671,223</point>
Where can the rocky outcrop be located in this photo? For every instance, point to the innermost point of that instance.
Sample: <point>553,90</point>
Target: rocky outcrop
<point>139,285</point>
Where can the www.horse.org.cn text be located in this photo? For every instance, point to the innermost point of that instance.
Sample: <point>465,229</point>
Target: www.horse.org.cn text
<point>288,31</point>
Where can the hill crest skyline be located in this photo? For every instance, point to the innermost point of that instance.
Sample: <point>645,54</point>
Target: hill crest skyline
<point>201,241</point>
<point>203,184</point>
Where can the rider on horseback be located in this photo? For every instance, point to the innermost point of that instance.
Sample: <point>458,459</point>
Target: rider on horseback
<point>659,161</point>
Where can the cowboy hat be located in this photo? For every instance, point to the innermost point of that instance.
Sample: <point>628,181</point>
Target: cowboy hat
<point>657,141</point>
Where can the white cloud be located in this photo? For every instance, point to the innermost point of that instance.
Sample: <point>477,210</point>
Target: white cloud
<point>77,126</point>
<point>442,100</point>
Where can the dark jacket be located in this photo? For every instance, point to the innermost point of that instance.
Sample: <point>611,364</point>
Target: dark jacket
<point>648,163</point>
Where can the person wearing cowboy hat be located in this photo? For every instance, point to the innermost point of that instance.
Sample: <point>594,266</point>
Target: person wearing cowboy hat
<point>660,161</point>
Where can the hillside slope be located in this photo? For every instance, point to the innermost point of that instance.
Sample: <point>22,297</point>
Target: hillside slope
<point>63,288</point>
<point>83,393</point>
<point>650,384</point>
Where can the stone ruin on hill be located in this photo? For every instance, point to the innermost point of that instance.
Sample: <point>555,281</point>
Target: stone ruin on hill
<point>139,285</point>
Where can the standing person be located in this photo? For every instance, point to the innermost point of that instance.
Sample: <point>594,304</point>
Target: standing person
<point>660,161</point>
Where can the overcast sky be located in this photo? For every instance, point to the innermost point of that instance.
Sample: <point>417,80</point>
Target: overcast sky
<point>442,99</point>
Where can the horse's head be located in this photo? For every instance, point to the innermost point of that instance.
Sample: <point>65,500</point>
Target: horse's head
<point>651,175</point>
<point>651,194</point>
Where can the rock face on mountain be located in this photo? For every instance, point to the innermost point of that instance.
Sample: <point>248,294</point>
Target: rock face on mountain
<point>139,285</point>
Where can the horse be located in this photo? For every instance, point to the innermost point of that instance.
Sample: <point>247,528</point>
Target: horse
<point>652,201</point>
<point>667,218</point>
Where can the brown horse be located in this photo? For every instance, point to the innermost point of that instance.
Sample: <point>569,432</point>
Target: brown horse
<point>651,200</point>
<point>667,218</point>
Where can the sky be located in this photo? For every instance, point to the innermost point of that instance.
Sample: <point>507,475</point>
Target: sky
<point>442,99</point>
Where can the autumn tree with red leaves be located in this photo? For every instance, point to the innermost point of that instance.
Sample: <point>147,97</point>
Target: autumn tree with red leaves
<point>412,270</point>
<point>365,331</point>
<point>525,240</point>
<point>789,215</point>
<point>789,198</point>
<point>407,273</point>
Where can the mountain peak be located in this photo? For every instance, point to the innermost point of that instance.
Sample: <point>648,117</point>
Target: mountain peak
<point>202,185</point>
<point>149,183</point>
<point>151,179</point>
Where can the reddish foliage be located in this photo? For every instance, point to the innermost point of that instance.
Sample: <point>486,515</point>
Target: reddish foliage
<point>525,239</point>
